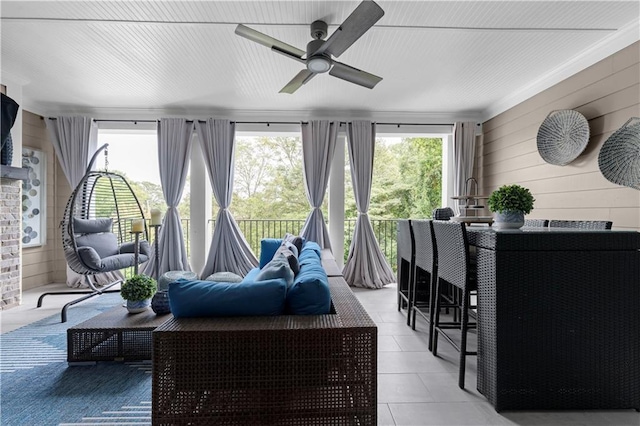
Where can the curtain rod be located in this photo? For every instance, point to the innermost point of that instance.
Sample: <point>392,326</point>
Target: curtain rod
<point>264,122</point>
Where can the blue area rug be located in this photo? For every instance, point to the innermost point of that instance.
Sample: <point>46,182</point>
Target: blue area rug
<point>38,388</point>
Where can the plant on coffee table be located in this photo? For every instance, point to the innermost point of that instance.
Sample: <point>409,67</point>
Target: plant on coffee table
<point>138,291</point>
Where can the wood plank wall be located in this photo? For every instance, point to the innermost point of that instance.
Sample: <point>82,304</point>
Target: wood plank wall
<point>607,94</point>
<point>38,262</point>
<point>45,264</point>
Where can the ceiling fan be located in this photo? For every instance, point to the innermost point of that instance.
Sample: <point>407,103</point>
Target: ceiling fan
<point>320,52</point>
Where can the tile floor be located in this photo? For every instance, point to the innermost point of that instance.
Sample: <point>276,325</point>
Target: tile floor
<point>414,387</point>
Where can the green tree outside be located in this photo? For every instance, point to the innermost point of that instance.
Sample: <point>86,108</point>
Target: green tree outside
<point>269,185</point>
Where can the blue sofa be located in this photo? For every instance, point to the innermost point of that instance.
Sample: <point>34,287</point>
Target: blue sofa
<point>276,369</point>
<point>270,289</point>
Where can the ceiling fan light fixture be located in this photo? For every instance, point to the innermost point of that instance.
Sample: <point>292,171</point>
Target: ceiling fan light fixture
<point>319,64</point>
<point>319,54</point>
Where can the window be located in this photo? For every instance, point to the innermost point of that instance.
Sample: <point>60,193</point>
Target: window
<point>407,183</point>
<point>134,154</point>
<point>268,181</point>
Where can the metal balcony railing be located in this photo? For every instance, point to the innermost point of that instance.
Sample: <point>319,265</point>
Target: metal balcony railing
<point>255,230</point>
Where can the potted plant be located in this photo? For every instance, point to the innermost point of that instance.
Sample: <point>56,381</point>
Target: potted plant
<point>138,291</point>
<point>510,203</point>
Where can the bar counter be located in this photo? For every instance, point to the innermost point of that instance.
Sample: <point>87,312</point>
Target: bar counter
<point>559,318</point>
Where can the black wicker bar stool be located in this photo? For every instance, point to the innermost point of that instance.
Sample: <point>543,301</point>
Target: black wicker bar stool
<point>424,277</point>
<point>406,261</point>
<point>442,213</point>
<point>454,268</point>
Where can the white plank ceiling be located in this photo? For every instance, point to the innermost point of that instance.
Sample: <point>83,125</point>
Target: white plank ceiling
<point>450,58</point>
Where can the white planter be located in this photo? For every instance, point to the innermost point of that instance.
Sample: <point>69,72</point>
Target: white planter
<point>137,306</point>
<point>509,220</point>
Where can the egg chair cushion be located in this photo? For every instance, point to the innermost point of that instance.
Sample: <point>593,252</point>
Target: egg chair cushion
<point>100,252</point>
<point>105,244</point>
<point>93,261</point>
<point>90,257</point>
<point>92,226</point>
<point>130,247</point>
<point>120,261</point>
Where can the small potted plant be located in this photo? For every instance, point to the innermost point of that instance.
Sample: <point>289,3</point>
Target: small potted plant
<point>510,203</point>
<point>138,291</point>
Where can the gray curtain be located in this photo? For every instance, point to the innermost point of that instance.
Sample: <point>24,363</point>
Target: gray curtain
<point>318,145</point>
<point>75,140</point>
<point>464,152</point>
<point>229,250</point>
<point>174,150</point>
<point>366,266</point>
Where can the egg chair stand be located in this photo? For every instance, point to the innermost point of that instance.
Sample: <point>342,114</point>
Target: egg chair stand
<point>97,231</point>
<point>94,291</point>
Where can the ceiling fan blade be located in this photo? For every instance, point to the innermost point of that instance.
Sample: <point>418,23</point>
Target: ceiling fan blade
<point>301,78</point>
<point>270,42</point>
<point>288,54</point>
<point>354,75</point>
<point>361,19</point>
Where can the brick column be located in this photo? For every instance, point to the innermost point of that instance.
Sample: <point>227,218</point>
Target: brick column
<point>10,223</point>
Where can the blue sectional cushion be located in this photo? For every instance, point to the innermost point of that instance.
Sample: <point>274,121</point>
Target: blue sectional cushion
<point>195,298</point>
<point>309,294</point>
<point>268,247</point>
<point>312,245</point>
<point>308,256</point>
<point>277,268</point>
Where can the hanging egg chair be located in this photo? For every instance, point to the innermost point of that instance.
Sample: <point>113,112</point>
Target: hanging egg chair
<point>97,230</point>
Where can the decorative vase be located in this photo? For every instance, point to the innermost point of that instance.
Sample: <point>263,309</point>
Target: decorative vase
<point>160,303</point>
<point>137,306</point>
<point>509,220</point>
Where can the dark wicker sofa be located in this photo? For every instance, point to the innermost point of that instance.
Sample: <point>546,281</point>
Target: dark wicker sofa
<point>284,370</point>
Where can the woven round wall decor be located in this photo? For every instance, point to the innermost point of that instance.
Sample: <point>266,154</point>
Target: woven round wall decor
<point>619,158</point>
<point>562,136</point>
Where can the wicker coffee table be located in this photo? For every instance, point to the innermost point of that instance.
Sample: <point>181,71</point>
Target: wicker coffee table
<point>114,335</point>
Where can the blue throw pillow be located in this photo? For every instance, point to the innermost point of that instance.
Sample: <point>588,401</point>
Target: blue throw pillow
<point>268,247</point>
<point>195,298</point>
<point>309,294</point>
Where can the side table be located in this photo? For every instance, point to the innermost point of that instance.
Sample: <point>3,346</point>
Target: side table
<point>114,335</point>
